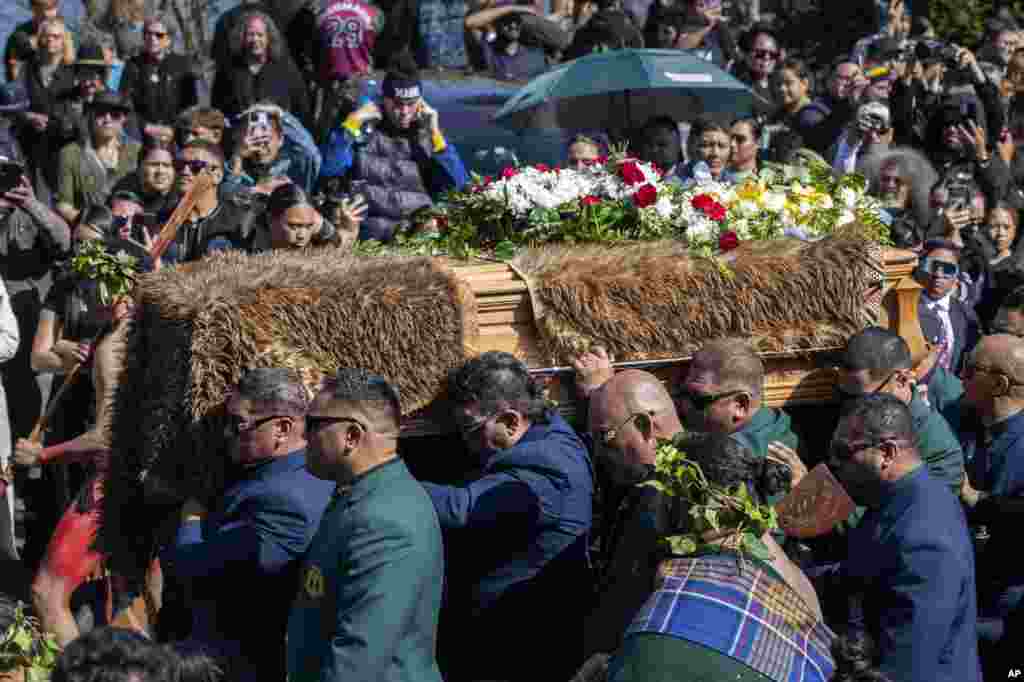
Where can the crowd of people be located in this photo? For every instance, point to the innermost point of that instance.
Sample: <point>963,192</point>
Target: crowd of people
<point>542,557</point>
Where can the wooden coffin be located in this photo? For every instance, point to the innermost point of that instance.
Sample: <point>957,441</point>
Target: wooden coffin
<point>506,323</point>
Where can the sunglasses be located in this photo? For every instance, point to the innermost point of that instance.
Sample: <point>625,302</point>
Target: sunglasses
<point>155,34</point>
<point>315,424</point>
<point>842,452</point>
<point>765,54</point>
<point>194,166</point>
<point>119,221</point>
<point>845,395</point>
<point>939,268</point>
<point>606,436</point>
<point>236,425</point>
<point>702,401</point>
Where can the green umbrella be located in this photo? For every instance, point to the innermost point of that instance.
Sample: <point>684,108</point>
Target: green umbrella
<point>624,88</point>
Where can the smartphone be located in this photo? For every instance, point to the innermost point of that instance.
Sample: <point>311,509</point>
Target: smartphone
<point>10,175</point>
<point>257,127</point>
<point>958,198</point>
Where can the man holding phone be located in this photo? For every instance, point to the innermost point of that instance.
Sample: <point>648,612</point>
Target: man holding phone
<point>397,153</point>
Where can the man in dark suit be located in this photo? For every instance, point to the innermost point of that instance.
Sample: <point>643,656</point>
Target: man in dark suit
<point>241,559</point>
<point>910,559</point>
<point>370,588</point>
<point>947,316</point>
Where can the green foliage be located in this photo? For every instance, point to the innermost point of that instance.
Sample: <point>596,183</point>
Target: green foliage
<point>963,21</point>
<point>732,515</point>
<point>114,274</point>
<point>25,645</point>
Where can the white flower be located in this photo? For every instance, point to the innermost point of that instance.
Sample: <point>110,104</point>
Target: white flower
<point>774,201</point>
<point>664,207</point>
<point>845,218</point>
<point>848,197</point>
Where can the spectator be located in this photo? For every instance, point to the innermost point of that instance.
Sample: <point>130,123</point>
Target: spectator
<point>877,361</point>
<point>707,35</point>
<point>721,393</point>
<point>154,180</point>
<point>664,30</point>
<point>610,28</point>
<point>370,589</point>
<point>200,123</point>
<point>745,150</point>
<point>660,144</point>
<point>1010,317</point>
<point>114,654</point>
<point>870,133</point>
<point>292,222</point>
<point>158,83</point>
<point>1006,268</point>
<point>793,83</point>
<point>403,162</point>
<point>212,220</point>
<point>910,558</point>
<point>688,627</point>
<point>265,157</point>
<point>431,31</point>
<point>343,35</point>
<point>257,531</point>
<point>260,70</point>
<point>525,523</point>
<point>761,56</point>
<point>902,179</point>
<point>46,78</point>
<point>586,148</point>
<point>712,146</point>
<point>506,57</point>
<point>947,322</point>
<point>20,44</point>
<point>90,169</point>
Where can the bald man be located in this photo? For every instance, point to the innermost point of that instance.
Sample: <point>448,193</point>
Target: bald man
<point>628,415</point>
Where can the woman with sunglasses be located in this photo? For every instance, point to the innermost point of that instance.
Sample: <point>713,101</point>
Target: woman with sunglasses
<point>90,169</point>
<point>77,328</point>
<point>762,55</point>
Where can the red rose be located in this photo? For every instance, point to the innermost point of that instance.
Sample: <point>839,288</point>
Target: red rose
<point>510,172</point>
<point>727,241</point>
<point>702,202</point>
<point>542,167</point>
<point>631,173</point>
<point>603,159</point>
<point>715,211</point>
<point>487,179</point>
<point>645,196</point>
<point>590,200</point>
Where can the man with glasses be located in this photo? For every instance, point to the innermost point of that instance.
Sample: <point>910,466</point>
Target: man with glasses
<point>878,362</point>
<point>946,321</point>
<point>370,587</point>
<point>213,223</point>
<point>519,533</point>
<point>242,557</point>
<point>910,561</point>
<point>721,393</point>
<point>160,84</point>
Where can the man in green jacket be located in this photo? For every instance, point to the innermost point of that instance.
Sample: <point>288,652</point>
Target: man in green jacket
<point>370,588</point>
<point>722,392</point>
<point>878,360</point>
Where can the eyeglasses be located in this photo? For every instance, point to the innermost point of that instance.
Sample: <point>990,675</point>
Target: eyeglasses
<point>837,450</point>
<point>940,268</point>
<point>315,424</point>
<point>607,436</point>
<point>702,401</point>
<point>155,34</point>
<point>237,425</point>
<point>765,54</point>
<point>195,166</point>
<point>970,370</point>
<point>120,221</point>
<point>845,395</point>
<point>108,113</point>
<point>469,427</point>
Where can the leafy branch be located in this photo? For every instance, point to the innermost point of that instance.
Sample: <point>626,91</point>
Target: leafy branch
<point>26,646</point>
<point>721,518</point>
<point>114,274</point>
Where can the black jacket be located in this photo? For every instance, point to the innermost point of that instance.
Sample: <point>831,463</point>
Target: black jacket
<point>161,91</point>
<point>236,88</point>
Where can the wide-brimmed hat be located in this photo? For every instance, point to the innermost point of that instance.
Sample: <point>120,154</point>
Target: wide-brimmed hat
<point>110,100</point>
<point>91,55</point>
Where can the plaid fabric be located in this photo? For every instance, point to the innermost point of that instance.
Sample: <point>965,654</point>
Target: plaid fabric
<point>743,610</point>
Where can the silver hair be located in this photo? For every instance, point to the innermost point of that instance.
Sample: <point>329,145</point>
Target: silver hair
<point>275,41</point>
<point>166,20</point>
<point>279,386</point>
<point>914,167</point>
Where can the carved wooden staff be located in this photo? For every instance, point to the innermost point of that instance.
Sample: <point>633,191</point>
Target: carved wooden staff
<point>166,237</point>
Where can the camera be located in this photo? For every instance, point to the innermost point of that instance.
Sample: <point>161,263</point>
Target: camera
<point>869,122</point>
<point>935,51</point>
<point>10,175</point>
